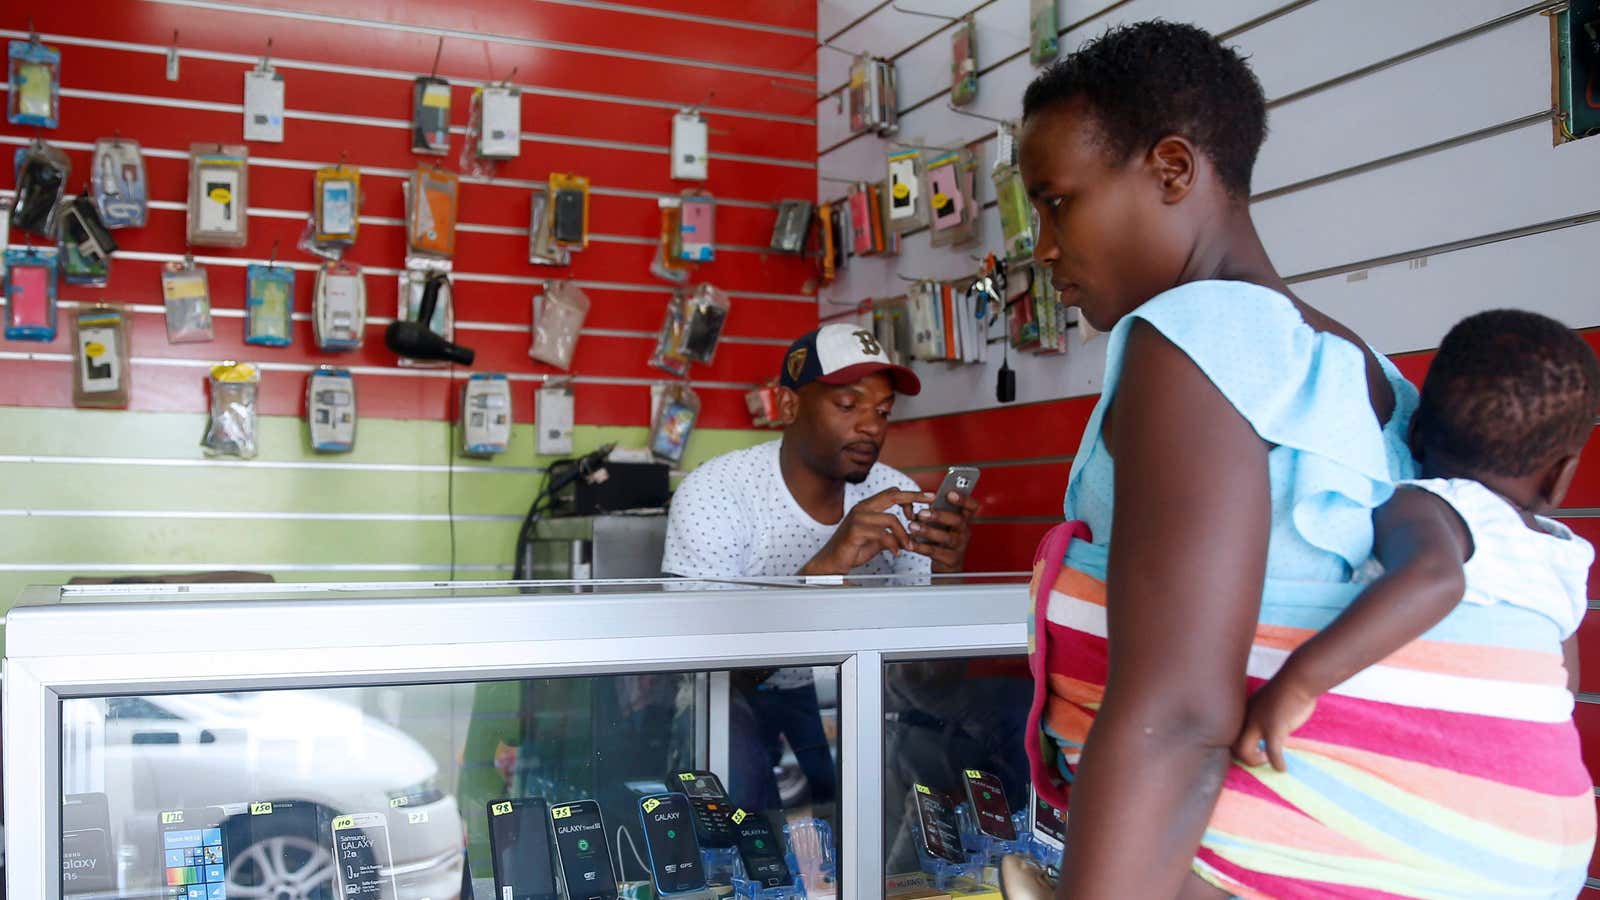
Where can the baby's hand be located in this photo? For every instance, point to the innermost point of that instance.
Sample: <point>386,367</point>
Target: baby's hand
<point>1274,713</point>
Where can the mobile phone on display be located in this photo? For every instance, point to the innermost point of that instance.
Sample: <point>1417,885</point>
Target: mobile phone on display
<point>957,479</point>
<point>713,812</point>
<point>670,843</point>
<point>582,851</point>
<point>519,845</point>
<point>362,858</point>
<point>87,863</point>
<point>194,857</point>
<point>1049,825</point>
<point>760,849</point>
<point>989,807</point>
<point>936,819</point>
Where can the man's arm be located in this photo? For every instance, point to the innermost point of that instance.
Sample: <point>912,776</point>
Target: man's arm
<point>869,528</point>
<point>1422,543</point>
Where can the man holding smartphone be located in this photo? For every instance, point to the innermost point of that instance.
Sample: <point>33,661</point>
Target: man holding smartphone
<point>816,502</point>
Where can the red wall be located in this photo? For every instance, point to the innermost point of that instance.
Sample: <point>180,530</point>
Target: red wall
<point>347,67</point>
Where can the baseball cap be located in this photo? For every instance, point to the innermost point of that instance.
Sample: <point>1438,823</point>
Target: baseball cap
<point>842,353</point>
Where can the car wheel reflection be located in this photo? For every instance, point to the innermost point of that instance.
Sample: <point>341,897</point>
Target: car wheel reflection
<point>282,868</point>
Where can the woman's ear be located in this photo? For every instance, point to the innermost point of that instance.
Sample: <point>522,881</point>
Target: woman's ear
<point>1176,163</point>
<point>1556,480</point>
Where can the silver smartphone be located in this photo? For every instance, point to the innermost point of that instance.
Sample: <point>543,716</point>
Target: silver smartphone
<point>958,480</point>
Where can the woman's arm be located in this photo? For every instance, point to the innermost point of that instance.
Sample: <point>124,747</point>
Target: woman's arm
<point>1188,558</point>
<point>1422,543</point>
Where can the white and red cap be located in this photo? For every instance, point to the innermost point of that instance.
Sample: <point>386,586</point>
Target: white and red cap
<point>842,353</point>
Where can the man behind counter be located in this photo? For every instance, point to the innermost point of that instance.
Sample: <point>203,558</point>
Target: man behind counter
<point>816,502</point>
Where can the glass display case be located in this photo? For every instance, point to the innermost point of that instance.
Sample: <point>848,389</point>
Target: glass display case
<point>547,740</point>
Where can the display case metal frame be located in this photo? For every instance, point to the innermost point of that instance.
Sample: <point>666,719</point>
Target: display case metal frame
<point>65,643</point>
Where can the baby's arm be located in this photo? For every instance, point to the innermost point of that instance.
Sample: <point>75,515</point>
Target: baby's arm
<point>1421,542</point>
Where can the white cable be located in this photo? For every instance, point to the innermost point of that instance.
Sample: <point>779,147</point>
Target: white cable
<point>622,832</point>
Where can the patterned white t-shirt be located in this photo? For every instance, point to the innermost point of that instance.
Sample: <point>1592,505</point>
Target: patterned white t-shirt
<point>733,517</point>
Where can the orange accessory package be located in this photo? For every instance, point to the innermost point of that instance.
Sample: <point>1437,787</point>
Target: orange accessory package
<point>432,220</point>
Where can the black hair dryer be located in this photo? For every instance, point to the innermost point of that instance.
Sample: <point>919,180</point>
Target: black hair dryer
<point>416,340</point>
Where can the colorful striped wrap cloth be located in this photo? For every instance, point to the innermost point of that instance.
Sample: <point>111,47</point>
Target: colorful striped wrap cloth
<point>1450,770</point>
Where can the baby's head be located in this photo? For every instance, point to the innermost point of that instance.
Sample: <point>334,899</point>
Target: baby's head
<point>1509,401</point>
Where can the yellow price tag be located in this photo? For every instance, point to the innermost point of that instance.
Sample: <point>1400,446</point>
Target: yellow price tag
<point>974,774</point>
<point>344,822</point>
<point>417,817</point>
<point>650,804</point>
<point>172,818</point>
<point>739,816</point>
<point>261,809</point>
<point>397,802</point>
<point>561,812</point>
<point>501,809</point>
<point>923,789</point>
<point>685,776</point>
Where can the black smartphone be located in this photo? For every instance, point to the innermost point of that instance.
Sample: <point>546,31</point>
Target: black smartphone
<point>582,851</point>
<point>936,819</point>
<point>519,847</point>
<point>669,841</point>
<point>713,822</point>
<point>193,853</point>
<point>761,850</point>
<point>989,806</point>
<point>568,223</point>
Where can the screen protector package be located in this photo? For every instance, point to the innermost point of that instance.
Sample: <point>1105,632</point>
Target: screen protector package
<point>232,431</point>
<point>497,108</point>
<point>42,172</point>
<point>668,355</point>
<point>219,181</point>
<point>431,219</point>
<point>339,306</point>
<point>542,249</point>
<point>30,294</point>
<point>413,282</point>
<point>964,62</point>
<point>697,227</point>
<point>34,92</point>
<point>558,316</point>
<point>337,211</point>
<point>100,370</point>
<point>430,116</point>
<point>117,181</point>
<point>86,244</point>
<point>794,222</point>
<point>570,199</point>
<point>1044,40</point>
<point>187,294</point>
<point>269,305</point>
<point>705,314</point>
<point>674,422</point>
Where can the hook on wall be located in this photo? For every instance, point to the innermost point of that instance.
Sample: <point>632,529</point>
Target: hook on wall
<point>918,12</point>
<point>972,115</point>
<point>436,55</point>
<point>850,53</point>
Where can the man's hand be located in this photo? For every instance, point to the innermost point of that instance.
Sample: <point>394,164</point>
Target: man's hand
<point>943,536</point>
<point>867,530</point>
<point>1274,713</point>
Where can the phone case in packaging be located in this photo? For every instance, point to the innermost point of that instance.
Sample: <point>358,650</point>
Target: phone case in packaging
<point>697,227</point>
<point>557,322</point>
<point>1016,219</point>
<point>794,222</point>
<point>669,264</point>
<point>432,196</point>
<point>571,210</point>
<point>430,116</point>
<point>498,109</point>
<point>100,358</point>
<point>233,411</point>
<point>542,249</point>
<point>117,181</point>
<point>669,355</point>
<point>337,204</point>
<point>187,293</point>
<point>863,116</point>
<point>331,409</point>
<point>219,181</point>
<point>1044,28</point>
<point>945,201</point>
<point>762,404</point>
<point>86,244</point>
<point>339,314</point>
<point>413,280</point>
<point>485,415</point>
<point>30,294</point>
<point>705,314</point>
<point>34,92</point>
<point>674,422</point>
<point>42,172</point>
<point>964,62</point>
<point>907,209</point>
<point>690,138</point>
<point>269,305</point>
<point>263,104</point>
